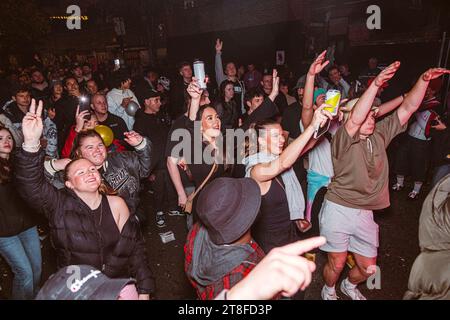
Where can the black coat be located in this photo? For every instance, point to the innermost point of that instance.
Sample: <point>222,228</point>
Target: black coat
<point>73,231</point>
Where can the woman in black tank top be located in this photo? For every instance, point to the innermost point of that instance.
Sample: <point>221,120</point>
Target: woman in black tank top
<point>107,228</point>
<point>271,168</point>
<point>273,227</point>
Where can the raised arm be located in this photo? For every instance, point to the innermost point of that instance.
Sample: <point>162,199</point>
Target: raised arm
<point>415,96</point>
<point>275,85</point>
<point>267,171</point>
<point>29,165</point>
<point>220,76</point>
<point>316,67</point>
<point>195,92</point>
<point>362,108</point>
<point>389,106</point>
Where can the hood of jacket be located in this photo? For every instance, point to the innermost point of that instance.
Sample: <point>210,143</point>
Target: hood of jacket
<point>211,262</point>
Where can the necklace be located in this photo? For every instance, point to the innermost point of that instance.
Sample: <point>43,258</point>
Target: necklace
<point>101,213</point>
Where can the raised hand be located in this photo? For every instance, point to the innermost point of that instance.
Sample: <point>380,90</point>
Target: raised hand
<point>440,126</point>
<point>275,81</point>
<point>319,64</point>
<point>126,102</point>
<point>194,89</point>
<point>434,73</point>
<point>320,117</point>
<point>387,74</point>
<point>219,45</point>
<point>133,138</point>
<point>80,119</point>
<point>32,125</point>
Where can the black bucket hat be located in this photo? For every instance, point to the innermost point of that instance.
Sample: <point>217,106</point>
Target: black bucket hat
<point>228,207</point>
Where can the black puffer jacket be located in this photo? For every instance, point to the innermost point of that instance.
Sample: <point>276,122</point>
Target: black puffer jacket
<point>74,233</point>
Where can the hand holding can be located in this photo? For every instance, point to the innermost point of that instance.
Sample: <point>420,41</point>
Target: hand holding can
<point>199,73</point>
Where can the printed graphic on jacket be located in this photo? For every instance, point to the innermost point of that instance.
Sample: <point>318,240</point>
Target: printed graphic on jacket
<point>121,181</point>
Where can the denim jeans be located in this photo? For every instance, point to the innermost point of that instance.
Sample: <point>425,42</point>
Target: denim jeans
<point>23,254</point>
<point>439,173</point>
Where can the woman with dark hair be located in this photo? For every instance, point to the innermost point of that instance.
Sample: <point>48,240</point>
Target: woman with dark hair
<point>226,106</point>
<point>88,226</point>
<point>270,165</point>
<point>207,121</point>
<point>19,239</point>
<point>203,159</point>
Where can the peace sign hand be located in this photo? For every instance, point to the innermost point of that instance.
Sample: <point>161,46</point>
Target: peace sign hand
<point>32,125</point>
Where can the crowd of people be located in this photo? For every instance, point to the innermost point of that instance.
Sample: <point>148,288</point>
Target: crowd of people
<point>78,146</point>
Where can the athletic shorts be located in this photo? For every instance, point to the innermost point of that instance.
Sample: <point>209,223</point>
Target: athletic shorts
<point>348,229</point>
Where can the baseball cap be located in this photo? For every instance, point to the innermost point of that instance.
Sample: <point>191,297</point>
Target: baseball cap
<point>82,282</point>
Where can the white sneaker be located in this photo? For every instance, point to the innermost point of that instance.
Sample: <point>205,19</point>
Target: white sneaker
<point>327,295</point>
<point>352,293</point>
<point>397,187</point>
<point>413,195</point>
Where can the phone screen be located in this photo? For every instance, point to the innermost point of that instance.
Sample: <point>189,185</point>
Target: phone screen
<point>321,131</point>
<point>84,104</point>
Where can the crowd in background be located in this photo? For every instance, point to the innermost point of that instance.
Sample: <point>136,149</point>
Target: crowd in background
<point>79,144</point>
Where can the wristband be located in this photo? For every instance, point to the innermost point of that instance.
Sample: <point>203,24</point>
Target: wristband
<point>34,148</point>
<point>51,164</point>
<point>142,141</point>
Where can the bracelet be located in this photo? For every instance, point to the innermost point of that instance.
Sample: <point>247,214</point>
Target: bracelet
<point>31,148</point>
<point>142,141</point>
<point>51,164</point>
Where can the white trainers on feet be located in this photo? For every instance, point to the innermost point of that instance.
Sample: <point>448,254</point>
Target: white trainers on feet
<point>352,293</point>
<point>328,295</point>
<point>413,195</point>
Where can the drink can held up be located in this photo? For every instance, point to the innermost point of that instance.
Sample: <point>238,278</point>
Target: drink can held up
<point>333,100</point>
<point>199,73</point>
